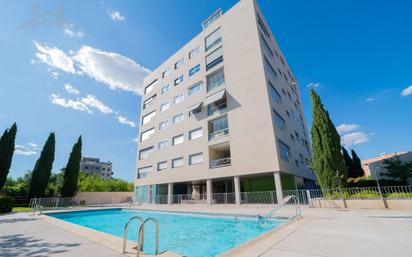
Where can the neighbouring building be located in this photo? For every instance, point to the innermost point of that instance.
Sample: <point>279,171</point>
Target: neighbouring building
<point>95,166</point>
<point>223,117</point>
<point>376,165</point>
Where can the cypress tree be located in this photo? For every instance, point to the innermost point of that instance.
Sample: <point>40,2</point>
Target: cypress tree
<point>7,144</point>
<point>71,172</point>
<point>357,165</point>
<point>350,166</point>
<point>327,162</point>
<point>42,169</point>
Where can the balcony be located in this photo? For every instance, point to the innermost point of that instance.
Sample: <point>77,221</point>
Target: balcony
<point>220,155</point>
<point>216,107</point>
<point>218,128</point>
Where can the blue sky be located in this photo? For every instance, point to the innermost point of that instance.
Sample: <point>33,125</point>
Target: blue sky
<point>79,71</point>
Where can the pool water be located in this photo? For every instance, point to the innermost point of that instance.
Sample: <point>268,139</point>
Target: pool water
<point>188,234</point>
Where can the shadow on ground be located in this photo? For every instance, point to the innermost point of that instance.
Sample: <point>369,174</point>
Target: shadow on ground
<point>390,217</point>
<point>20,245</point>
<point>15,220</point>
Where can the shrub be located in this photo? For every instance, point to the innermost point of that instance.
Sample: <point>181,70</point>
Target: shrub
<point>6,204</point>
<point>367,182</point>
<point>366,194</point>
<point>336,195</point>
<point>399,195</point>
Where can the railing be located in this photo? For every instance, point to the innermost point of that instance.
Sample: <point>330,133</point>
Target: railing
<point>52,202</point>
<point>223,198</point>
<point>189,198</point>
<point>391,192</point>
<point>213,108</point>
<point>140,238</point>
<point>287,199</point>
<point>125,231</point>
<point>220,163</point>
<point>160,199</point>
<point>219,134</point>
<point>264,197</point>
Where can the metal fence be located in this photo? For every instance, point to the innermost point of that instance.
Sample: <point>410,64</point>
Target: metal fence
<point>223,198</point>
<point>264,197</point>
<point>189,198</point>
<point>53,202</point>
<point>394,192</point>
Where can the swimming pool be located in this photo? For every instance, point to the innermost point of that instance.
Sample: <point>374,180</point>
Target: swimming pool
<point>188,234</point>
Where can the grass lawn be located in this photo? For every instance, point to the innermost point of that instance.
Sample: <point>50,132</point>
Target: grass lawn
<point>20,209</point>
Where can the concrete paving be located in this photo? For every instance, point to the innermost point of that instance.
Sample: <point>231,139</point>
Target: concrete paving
<point>322,232</point>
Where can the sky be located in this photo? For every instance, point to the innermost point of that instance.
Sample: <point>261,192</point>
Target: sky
<point>77,68</point>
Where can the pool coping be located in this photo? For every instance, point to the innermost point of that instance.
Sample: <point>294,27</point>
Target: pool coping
<point>252,247</point>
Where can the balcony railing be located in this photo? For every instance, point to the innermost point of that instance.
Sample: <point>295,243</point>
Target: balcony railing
<point>220,163</point>
<point>213,108</point>
<point>219,134</point>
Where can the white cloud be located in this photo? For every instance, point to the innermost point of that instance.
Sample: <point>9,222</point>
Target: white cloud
<point>32,145</point>
<point>115,15</point>
<point>354,138</point>
<point>92,101</point>
<point>54,57</point>
<point>71,89</point>
<point>111,69</point>
<point>313,85</point>
<point>23,150</point>
<point>70,31</point>
<point>69,103</point>
<point>407,91</point>
<point>370,99</point>
<point>345,128</point>
<point>123,120</point>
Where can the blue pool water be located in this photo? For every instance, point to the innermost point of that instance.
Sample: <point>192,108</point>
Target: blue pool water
<point>188,234</point>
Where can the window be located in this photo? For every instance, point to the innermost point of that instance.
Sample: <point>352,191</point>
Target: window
<point>142,172</point>
<point>178,139</point>
<point>150,87</point>
<point>178,98</point>
<point>163,144</point>
<point>178,118</point>
<point>215,79</point>
<point>148,117</point>
<point>219,124</point>
<point>144,153</point>
<point>166,73</point>
<point>195,52</point>
<point>270,69</point>
<point>195,133</point>
<point>178,80</point>
<point>164,107</point>
<point>165,89</point>
<point>214,58</point>
<point>195,158</point>
<point>177,162</point>
<point>162,165</point>
<point>146,134</point>
<point>194,70</point>
<point>284,151</point>
<point>213,39</point>
<point>279,121</point>
<point>178,63</point>
<point>195,88</point>
<point>274,94</point>
<point>148,102</point>
<point>262,26</point>
<point>163,124</point>
<point>266,45</point>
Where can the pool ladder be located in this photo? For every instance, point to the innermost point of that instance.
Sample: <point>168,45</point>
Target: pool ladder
<point>140,234</point>
<point>39,208</point>
<point>298,212</point>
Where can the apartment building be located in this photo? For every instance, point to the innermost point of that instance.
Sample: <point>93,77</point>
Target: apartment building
<point>94,166</point>
<point>223,117</point>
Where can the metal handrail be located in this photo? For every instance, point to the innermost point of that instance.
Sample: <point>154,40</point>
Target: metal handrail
<point>39,208</point>
<point>219,134</point>
<point>298,212</point>
<point>125,231</point>
<point>220,162</point>
<point>140,237</point>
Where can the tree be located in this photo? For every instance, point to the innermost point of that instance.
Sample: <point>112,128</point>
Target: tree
<point>42,169</point>
<point>94,183</point>
<point>398,170</point>
<point>7,144</point>
<point>358,165</point>
<point>350,166</point>
<point>327,162</point>
<point>71,172</point>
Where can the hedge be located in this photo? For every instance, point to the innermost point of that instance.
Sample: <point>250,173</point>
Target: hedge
<point>6,204</point>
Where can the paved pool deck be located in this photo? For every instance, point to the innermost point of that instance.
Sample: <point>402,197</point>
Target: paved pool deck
<point>321,232</point>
